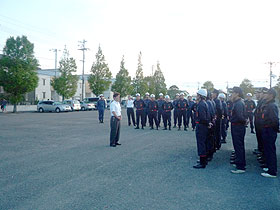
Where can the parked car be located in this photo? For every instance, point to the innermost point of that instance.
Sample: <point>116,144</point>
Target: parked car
<point>74,104</point>
<point>123,103</point>
<point>87,106</point>
<point>52,106</point>
<point>91,100</point>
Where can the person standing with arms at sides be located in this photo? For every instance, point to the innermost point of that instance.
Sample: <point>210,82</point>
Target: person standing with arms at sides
<point>101,106</point>
<point>175,112</point>
<point>167,108</point>
<point>116,116</point>
<point>229,108</point>
<point>218,123</point>
<point>222,97</point>
<point>210,142</point>
<point>146,111</point>
<point>139,104</point>
<point>182,106</point>
<point>160,110</point>
<point>238,130</point>
<point>130,110</point>
<point>153,109</point>
<point>250,105</point>
<point>190,113</point>
<point>270,124</point>
<point>202,119</point>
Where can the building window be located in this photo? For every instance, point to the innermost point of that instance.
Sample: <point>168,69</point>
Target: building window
<point>44,95</point>
<point>44,82</point>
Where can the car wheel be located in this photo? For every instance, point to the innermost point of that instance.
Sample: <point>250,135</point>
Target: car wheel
<point>83,108</point>
<point>41,110</point>
<point>57,110</point>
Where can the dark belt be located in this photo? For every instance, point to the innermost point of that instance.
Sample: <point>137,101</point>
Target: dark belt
<point>237,123</point>
<point>139,109</point>
<point>267,126</point>
<point>183,109</point>
<point>167,110</point>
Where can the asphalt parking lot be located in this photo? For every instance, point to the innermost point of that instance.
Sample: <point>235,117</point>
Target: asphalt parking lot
<point>63,161</point>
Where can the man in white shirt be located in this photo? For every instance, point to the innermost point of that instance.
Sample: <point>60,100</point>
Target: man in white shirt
<point>130,110</point>
<point>116,116</point>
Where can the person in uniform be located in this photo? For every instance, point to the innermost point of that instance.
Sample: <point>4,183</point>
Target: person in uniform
<point>101,106</point>
<point>175,112</point>
<point>140,111</point>
<point>167,108</point>
<point>116,116</point>
<point>202,120</point>
<point>210,144</point>
<point>222,97</point>
<point>218,123</point>
<point>146,111</point>
<point>153,110</point>
<point>182,107</point>
<point>160,110</point>
<point>238,130</point>
<point>229,108</point>
<point>190,116</point>
<point>250,105</point>
<point>270,124</point>
<point>130,110</point>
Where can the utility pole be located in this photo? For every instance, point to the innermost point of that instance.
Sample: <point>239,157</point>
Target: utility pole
<point>83,48</point>
<point>198,84</point>
<point>55,58</point>
<point>270,72</point>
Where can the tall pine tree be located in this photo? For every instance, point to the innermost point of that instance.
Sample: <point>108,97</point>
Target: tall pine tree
<point>139,85</point>
<point>100,78</point>
<point>159,80</point>
<point>123,81</point>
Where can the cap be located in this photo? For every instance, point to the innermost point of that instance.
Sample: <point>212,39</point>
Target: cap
<point>238,90</point>
<point>216,91</point>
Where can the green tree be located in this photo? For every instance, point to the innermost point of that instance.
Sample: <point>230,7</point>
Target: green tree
<point>100,78</point>
<point>150,83</point>
<point>208,85</point>
<point>18,69</point>
<point>66,84</point>
<point>139,85</point>
<point>159,81</point>
<point>173,90</point>
<point>123,81</point>
<point>277,88</point>
<point>247,86</point>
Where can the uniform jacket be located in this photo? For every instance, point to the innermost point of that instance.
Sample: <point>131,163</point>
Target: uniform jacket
<point>269,117</point>
<point>167,106</point>
<point>249,105</point>
<point>101,104</point>
<point>160,103</point>
<point>225,109</point>
<point>153,106</point>
<point>175,102</point>
<point>219,108</point>
<point>202,113</point>
<point>139,105</point>
<point>238,113</point>
<point>182,104</point>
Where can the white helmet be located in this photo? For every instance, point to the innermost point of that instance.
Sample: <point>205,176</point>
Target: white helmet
<point>202,92</point>
<point>137,94</point>
<point>222,95</point>
<point>147,94</point>
<point>177,94</point>
<point>167,97</point>
<point>161,94</point>
<point>153,96</point>
<point>182,94</point>
<point>249,94</point>
<point>101,95</point>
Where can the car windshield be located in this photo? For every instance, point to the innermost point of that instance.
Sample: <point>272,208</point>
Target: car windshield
<point>57,103</point>
<point>76,102</point>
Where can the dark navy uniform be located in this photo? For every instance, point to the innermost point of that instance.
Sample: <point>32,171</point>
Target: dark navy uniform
<point>249,107</point>
<point>153,110</point>
<point>224,122</point>
<point>146,111</point>
<point>258,126</point>
<point>218,123</point>
<point>211,132</point>
<point>182,106</point>
<point>270,124</point>
<point>175,112</point>
<point>238,130</point>
<point>140,109</point>
<point>202,120</point>
<point>160,110</point>
<point>229,108</point>
<point>190,114</point>
<point>167,107</point>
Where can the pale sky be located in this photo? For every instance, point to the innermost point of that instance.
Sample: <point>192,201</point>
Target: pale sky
<point>195,41</point>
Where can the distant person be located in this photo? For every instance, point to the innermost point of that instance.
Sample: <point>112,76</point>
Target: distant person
<point>101,106</point>
<point>167,108</point>
<point>250,106</point>
<point>140,111</point>
<point>160,110</point>
<point>130,110</point>
<point>116,116</point>
<point>175,111</point>
<point>190,113</point>
<point>4,105</point>
<point>153,112</point>
<point>182,106</point>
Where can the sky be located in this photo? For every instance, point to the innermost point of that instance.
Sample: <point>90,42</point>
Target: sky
<point>194,41</point>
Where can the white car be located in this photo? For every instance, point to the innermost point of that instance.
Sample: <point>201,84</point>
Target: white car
<point>51,106</point>
<point>74,104</point>
<point>87,106</point>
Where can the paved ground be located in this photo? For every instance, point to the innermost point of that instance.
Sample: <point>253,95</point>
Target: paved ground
<point>62,161</point>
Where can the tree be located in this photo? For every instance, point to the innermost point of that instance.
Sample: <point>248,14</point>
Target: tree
<point>100,78</point>
<point>139,85</point>
<point>123,81</point>
<point>277,87</point>
<point>18,69</point>
<point>208,85</point>
<point>159,81</point>
<point>150,83</point>
<point>172,91</point>
<point>66,84</point>
<point>247,86</point>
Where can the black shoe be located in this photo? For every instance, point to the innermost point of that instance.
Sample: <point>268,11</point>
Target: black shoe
<point>232,158</point>
<point>142,127</point>
<point>112,145</point>
<point>118,144</point>
<point>232,162</point>
<point>261,161</point>
<point>170,128</point>
<point>157,127</point>
<point>193,129</point>
<point>199,166</point>
<point>136,127</point>
<point>151,128</point>
<point>252,132</point>
<point>165,128</point>
<point>179,128</point>
<point>174,126</point>
<point>223,141</point>
<point>185,129</point>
